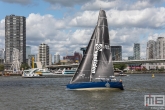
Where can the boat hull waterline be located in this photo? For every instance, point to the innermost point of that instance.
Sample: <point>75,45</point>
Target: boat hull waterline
<point>95,85</point>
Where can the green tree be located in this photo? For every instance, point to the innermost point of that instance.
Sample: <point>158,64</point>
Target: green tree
<point>24,66</point>
<point>1,67</point>
<point>120,66</point>
<point>161,69</point>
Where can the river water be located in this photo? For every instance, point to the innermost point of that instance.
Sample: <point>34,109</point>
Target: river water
<point>17,93</point>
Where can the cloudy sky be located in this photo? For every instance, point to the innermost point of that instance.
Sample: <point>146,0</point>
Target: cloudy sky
<point>67,25</point>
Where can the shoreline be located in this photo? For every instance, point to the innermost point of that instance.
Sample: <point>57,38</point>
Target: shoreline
<point>59,75</point>
<point>145,72</point>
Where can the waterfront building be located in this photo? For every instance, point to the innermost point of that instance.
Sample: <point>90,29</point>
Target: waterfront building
<point>28,51</point>
<point>56,58</point>
<point>37,57</point>
<point>136,51</point>
<point>43,55</point>
<point>155,50</point>
<point>15,37</point>
<point>136,56</point>
<point>116,53</point>
<point>76,58</point>
<point>2,53</point>
<point>160,50</point>
<point>50,59</point>
<point>1,56</point>
<point>151,54</point>
<point>151,49</point>
<point>130,58</point>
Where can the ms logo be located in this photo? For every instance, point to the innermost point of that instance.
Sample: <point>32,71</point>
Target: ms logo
<point>98,47</point>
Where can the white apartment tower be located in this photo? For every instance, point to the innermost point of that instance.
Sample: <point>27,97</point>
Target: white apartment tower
<point>151,50</point>
<point>50,59</point>
<point>160,48</point>
<point>151,54</point>
<point>44,54</point>
<point>28,51</point>
<point>155,50</point>
<point>56,58</point>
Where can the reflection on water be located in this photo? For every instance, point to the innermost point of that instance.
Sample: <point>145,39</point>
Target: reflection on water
<point>18,93</point>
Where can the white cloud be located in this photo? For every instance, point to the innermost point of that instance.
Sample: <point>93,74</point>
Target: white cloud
<point>97,4</point>
<point>121,4</point>
<point>65,3</point>
<point>126,38</point>
<point>49,30</point>
<point>86,18</point>
<point>146,18</point>
<point>129,22</point>
<point>22,2</point>
<point>126,28</point>
<point>81,37</point>
<point>141,5</point>
<point>42,28</point>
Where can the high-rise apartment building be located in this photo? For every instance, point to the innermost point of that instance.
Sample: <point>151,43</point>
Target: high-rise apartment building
<point>15,37</point>
<point>50,59</point>
<point>2,56</point>
<point>136,51</point>
<point>160,48</point>
<point>56,58</point>
<point>151,49</point>
<point>44,54</point>
<point>155,50</point>
<point>28,51</point>
<point>2,53</point>
<point>116,53</point>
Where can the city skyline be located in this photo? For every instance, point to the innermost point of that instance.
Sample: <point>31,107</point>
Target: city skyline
<point>66,27</point>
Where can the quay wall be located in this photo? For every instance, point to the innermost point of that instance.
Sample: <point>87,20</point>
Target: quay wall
<point>145,72</point>
<point>10,73</point>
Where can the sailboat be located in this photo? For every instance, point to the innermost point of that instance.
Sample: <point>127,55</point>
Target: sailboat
<point>95,70</point>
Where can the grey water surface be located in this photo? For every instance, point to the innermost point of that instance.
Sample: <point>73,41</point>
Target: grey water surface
<point>17,93</point>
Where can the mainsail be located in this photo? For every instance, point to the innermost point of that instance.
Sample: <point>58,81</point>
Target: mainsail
<point>96,62</point>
